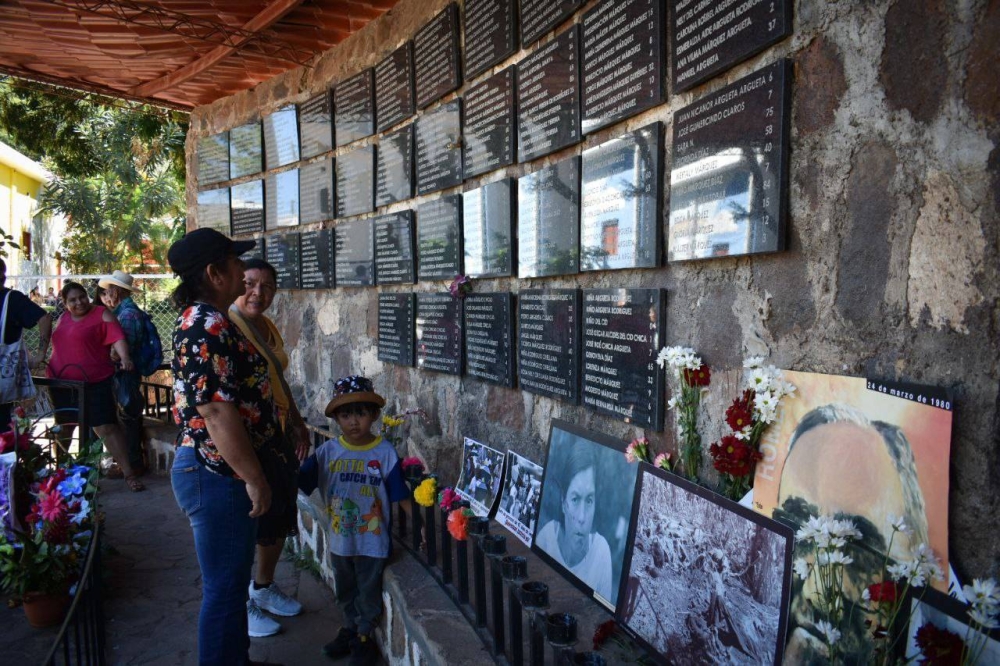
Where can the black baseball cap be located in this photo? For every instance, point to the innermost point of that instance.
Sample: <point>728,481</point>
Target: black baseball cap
<point>202,247</point>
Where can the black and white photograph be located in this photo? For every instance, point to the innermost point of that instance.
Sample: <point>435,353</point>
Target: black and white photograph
<point>587,493</point>
<point>708,581</point>
<point>522,491</point>
<point>481,477</point>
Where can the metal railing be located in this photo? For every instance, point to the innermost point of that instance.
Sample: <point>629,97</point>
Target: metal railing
<point>157,401</point>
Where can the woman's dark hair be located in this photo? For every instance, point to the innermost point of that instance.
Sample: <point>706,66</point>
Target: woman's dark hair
<point>258,264</point>
<point>365,408</point>
<point>192,286</point>
<point>71,286</point>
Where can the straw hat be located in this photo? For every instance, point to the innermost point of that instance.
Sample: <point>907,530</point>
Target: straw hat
<point>117,279</point>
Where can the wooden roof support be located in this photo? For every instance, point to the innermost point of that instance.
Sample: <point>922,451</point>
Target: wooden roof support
<point>265,19</point>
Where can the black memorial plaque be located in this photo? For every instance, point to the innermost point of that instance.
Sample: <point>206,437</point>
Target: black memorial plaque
<point>548,220</point>
<point>622,60</point>
<point>490,34</point>
<point>247,208</point>
<point>439,333</point>
<point>246,150</point>
<point>435,57</point>
<point>355,171</point>
<point>439,148</point>
<point>548,97</point>
<point>316,259</point>
<point>620,213</point>
<point>213,210</point>
<point>213,159</point>
<point>488,230</point>
<point>354,107</point>
<point>439,238</point>
<point>708,38</point>
<point>394,169</point>
<point>488,139</point>
<point>256,252</point>
<point>623,330</point>
<point>316,126</point>
<point>729,179</point>
<point>548,342</point>
<point>396,329</point>
<point>282,252</point>
<point>282,199</point>
<point>540,16</point>
<point>489,338</point>
<point>316,191</point>
<point>394,257</point>
<point>281,137</point>
<point>394,87</point>
<point>354,255</point>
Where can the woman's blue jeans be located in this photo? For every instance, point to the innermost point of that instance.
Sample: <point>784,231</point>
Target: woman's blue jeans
<point>224,537</point>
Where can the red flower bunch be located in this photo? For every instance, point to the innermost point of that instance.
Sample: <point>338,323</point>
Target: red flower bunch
<point>458,524</point>
<point>939,647</point>
<point>604,631</point>
<point>8,441</point>
<point>740,413</point>
<point>886,592</point>
<point>449,498</point>
<point>412,466</point>
<point>733,456</point>
<point>701,376</point>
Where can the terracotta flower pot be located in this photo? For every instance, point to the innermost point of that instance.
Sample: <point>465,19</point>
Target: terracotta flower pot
<point>45,610</point>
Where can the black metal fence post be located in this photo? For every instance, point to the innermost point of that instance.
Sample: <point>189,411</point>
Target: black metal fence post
<point>535,599</point>
<point>431,532</point>
<point>445,549</point>
<point>495,547</point>
<point>515,569</point>
<point>479,527</point>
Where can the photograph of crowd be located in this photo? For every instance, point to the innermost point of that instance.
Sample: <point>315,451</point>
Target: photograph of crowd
<point>482,474</point>
<point>519,504</point>
<point>708,581</point>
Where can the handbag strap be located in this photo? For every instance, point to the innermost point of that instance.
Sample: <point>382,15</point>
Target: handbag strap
<point>264,348</point>
<point>3,318</point>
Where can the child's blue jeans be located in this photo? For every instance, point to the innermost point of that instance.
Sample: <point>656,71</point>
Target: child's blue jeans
<point>358,580</point>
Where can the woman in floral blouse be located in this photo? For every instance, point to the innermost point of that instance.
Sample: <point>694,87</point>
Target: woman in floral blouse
<point>228,436</point>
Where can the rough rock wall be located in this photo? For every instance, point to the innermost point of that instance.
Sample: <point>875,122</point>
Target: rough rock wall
<point>892,262</point>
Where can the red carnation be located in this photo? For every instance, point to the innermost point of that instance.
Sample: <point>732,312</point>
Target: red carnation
<point>733,456</point>
<point>939,647</point>
<point>701,376</point>
<point>884,592</point>
<point>740,413</point>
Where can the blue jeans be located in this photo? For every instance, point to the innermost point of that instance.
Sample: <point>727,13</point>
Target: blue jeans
<point>224,536</point>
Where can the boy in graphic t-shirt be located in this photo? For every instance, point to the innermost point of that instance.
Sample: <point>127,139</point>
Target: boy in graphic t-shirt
<point>359,476</point>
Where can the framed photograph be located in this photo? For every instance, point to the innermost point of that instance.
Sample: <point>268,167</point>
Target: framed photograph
<point>481,477</point>
<point>939,619</point>
<point>586,501</point>
<point>706,580</point>
<point>518,510</point>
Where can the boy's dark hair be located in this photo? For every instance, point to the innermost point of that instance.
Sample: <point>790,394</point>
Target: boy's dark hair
<point>369,408</point>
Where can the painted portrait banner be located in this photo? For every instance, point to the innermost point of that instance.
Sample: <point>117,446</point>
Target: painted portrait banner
<point>481,477</point>
<point>866,450</point>
<point>522,489</point>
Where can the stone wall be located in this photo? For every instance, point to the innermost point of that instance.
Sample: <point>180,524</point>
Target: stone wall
<point>892,261</point>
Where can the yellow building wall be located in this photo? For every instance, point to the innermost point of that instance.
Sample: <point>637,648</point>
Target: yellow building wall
<point>18,204</point>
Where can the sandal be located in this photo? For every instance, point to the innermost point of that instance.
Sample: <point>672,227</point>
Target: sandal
<point>134,484</point>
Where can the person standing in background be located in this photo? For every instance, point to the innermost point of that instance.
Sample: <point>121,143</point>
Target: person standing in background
<point>21,314</point>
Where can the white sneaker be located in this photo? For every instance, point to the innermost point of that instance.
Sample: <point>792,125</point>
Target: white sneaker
<point>258,624</point>
<point>273,600</point>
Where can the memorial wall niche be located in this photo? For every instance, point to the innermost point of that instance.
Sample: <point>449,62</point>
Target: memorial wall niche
<point>213,158</point>
<point>394,256</point>
<point>706,40</point>
<point>316,259</point>
<point>439,238</point>
<point>354,254</point>
<point>540,16</point>
<point>316,191</point>
<point>489,337</point>
<point>439,333</point>
<point>256,252</point>
<point>247,205</point>
<point>729,177</point>
<point>213,210</point>
<point>548,342</point>
<point>355,172</point>
<point>281,137</point>
<point>620,213</point>
<point>439,148</point>
<point>394,88</point>
<point>354,108</point>
<point>396,328</point>
<point>394,169</point>
<point>622,61</point>
<point>489,132</point>
<point>282,252</point>
<point>488,230</point>
<point>623,330</point>
<point>490,34</point>
<point>548,220</point>
<point>548,97</point>
<point>435,57</point>
<point>281,192</point>
<point>316,125</point>
<point>246,150</point>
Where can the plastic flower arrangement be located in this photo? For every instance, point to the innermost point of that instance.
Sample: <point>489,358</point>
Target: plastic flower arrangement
<point>426,492</point>
<point>448,499</point>
<point>735,455</point>
<point>458,524</point>
<point>639,449</point>
<point>460,286</point>
<point>413,467</point>
<point>690,377</point>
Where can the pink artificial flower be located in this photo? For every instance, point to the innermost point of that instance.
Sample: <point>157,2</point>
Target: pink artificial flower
<point>638,449</point>
<point>448,499</point>
<point>662,461</point>
<point>52,507</point>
